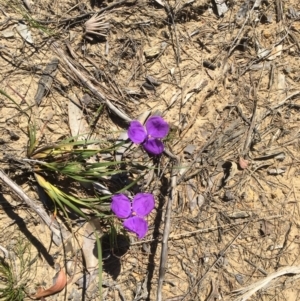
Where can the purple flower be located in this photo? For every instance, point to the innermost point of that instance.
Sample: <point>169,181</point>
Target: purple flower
<point>156,129</point>
<point>133,213</point>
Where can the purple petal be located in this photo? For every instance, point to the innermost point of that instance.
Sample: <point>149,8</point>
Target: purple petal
<point>154,146</point>
<point>143,204</point>
<point>121,206</point>
<point>137,225</point>
<point>136,132</point>
<point>157,127</point>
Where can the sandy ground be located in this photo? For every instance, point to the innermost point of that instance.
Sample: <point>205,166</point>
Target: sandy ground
<point>229,88</point>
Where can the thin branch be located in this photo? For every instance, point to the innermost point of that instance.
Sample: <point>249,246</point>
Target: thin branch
<point>164,251</point>
<point>38,209</point>
<point>206,230</point>
<point>80,17</point>
<point>88,84</point>
<point>279,11</point>
<point>246,292</point>
<point>221,254</point>
<point>251,128</point>
<point>269,110</point>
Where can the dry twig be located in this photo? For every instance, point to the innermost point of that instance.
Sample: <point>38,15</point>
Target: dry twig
<point>221,254</point>
<point>88,84</point>
<point>38,209</point>
<point>251,128</point>
<point>268,111</point>
<point>164,251</point>
<point>246,292</point>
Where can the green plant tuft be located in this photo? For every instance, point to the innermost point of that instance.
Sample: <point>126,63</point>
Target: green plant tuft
<point>15,272</point>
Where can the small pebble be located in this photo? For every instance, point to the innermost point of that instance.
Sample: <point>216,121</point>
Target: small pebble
<point>190,148</point>
<point>239,279</point>
<point>152,81</point>
<point>228,196</point>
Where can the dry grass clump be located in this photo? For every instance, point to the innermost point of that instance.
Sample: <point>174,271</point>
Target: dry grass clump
<point>96,26</point>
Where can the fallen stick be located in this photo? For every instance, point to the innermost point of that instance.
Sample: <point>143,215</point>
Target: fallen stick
<point>53,226</point>
<point>246,292</point>
<point>164,250</point>
<point>88,84</point>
